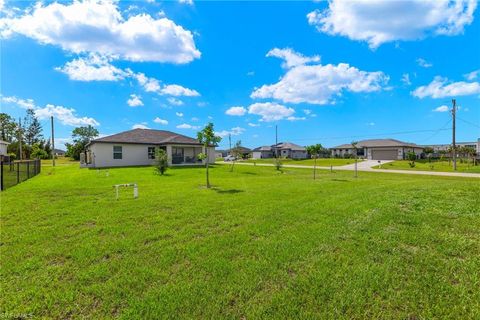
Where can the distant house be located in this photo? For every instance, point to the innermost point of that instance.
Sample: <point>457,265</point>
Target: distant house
<point>221,153</point>
<point>245,152</point>
<point>137,147</point>
<point>378,149</point>
<point>3,148</point>
<point>282,149</point>
<point>263,152</point>
<point>58,152</point>
<point>437,148</point>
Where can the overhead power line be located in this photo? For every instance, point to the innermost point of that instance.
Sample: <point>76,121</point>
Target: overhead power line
<point>468,122</point>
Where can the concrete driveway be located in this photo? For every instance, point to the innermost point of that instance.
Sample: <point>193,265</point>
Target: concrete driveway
<point>367,164</point>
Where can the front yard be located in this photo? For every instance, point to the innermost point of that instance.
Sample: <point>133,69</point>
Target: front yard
<point>261,244</point>
<point>425,165</point>
<point>323,162</point>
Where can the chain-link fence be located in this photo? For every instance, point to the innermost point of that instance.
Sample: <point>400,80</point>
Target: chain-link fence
<point>15,172</point>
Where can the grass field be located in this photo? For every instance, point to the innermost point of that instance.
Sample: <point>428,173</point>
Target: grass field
<point>261,244</point>
<point>324,162</point>
<point>424,165</point>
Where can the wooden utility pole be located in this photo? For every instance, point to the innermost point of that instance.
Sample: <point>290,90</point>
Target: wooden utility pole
<point>454,148</point>
<point>53,142</point>
<point>20,138</point>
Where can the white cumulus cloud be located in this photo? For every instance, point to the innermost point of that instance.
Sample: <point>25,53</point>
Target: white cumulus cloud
<point>66,116</point>
<point>320,84</point>
<point>160,121</point>
<point>174,101</point>
<point>236,131</point>
<point>291,57</point>
<point>424,63</point>
<point>92,68</point>
<point>380,21</point>
<point>187,126</point>
<point>442,87</point>
<point>443,108</point>
<point>22,103</point>
<point>270,111</point>
<point>236,111</point>
<point>177,91</point>
<point>140,126</point>
<point>179,114</point>
<point>95,26</point>
<point>472,75</point>
<point>135,101</point>
<point>406,79</point>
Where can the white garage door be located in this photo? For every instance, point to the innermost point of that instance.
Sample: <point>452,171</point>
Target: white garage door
<point>385,154</point>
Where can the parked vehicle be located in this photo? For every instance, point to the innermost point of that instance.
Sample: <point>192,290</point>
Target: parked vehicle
<point>229,158</point>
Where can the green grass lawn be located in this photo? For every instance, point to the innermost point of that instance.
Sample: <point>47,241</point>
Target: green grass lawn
<point>424,165</point>
<point>261,244</point>
<point>324,162</point>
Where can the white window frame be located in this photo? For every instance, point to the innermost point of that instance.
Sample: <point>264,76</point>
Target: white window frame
<point>118,152</point>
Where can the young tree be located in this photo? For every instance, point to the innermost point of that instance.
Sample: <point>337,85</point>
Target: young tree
<point>81,137</point>
<point>33,128</point>
<point>314,151</point>
<point>8,128</point>
<point>428,152</point>
<point>236,152</point>
<point>161,161</point>
<point>208,138</point>
<point>411,156</point>
<point>355,150</point>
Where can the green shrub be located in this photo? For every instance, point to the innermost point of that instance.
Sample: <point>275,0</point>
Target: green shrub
<point>161,161</point>
<point>411,156</point>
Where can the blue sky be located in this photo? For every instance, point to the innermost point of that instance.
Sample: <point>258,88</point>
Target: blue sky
<point>327,72</point>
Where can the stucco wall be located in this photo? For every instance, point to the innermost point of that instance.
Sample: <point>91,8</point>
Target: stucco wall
<point>133,155</point>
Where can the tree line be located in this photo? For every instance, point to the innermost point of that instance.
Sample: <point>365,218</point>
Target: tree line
<point>28,133</point>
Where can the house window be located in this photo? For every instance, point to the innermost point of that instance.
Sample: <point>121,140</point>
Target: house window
<point>117,152</point>
<point>151,152</point>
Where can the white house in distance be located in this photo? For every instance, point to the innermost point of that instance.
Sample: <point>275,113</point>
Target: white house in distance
<point>379,149</point>
<point>282,149</point>
<point>137,147</point>
<point>3,148</point>
<point>444,147</point>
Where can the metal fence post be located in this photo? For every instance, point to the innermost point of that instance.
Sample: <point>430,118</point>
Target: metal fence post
<point>1,177</point>
<point>18,172</point>
<point>28,170</point>
<point>39,166</point>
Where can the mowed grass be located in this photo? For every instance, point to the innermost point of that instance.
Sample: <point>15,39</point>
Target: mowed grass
<point>323,162</point>
<point>424,165</point>
<point>261,244</point>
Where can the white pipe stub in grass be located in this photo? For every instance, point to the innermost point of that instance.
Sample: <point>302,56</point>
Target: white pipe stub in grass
<point>134,185</point>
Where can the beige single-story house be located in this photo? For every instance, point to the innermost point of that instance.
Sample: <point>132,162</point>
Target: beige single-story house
<point>282,149</point>
<point>290,150</point>
<point>378,149</point>
<point>137,147</point>
<point>263,152</point>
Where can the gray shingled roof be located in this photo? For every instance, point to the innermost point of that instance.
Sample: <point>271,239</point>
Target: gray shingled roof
<point>289,145</point>
<point>378,143</point>
<point>148,136</point>
<point>263,148</point>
